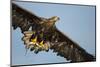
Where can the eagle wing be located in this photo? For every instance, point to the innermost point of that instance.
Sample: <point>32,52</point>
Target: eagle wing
<point>59,43</point>
<point>67,48</point>
<point>23,19</point>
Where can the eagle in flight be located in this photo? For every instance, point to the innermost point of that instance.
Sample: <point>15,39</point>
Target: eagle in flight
<point>41,34</point>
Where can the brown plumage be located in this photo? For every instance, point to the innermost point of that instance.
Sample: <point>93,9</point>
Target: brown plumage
<point>57,41</point>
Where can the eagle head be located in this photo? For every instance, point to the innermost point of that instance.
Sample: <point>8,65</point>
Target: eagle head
<point>54,19</point>
<point>49,23</point>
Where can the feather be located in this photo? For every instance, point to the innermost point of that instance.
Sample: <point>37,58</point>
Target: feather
<point>23,19</point>
<point>54,39</point>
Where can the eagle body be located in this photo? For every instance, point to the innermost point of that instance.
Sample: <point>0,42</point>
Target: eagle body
<point>41,34</point>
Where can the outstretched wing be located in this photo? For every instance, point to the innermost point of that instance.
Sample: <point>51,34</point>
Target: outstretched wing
<point>68,49</point>
<point>60,43</point>
<point>23,19</point>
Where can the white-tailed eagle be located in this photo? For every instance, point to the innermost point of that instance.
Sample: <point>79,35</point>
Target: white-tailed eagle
<point>41,34</point>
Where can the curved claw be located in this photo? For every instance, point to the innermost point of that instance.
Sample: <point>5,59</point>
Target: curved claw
<point>35,44</point>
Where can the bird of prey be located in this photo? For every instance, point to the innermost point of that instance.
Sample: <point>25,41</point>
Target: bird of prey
<point>41,34</point>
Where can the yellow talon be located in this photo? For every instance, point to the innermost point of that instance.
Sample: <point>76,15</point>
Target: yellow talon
<point>41,43</point>
<point>34,40</point>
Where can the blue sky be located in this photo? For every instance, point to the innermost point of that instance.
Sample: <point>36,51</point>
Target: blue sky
<point>76,22</point>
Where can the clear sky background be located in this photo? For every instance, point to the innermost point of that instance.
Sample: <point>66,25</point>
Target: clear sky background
<point>76,22</point>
